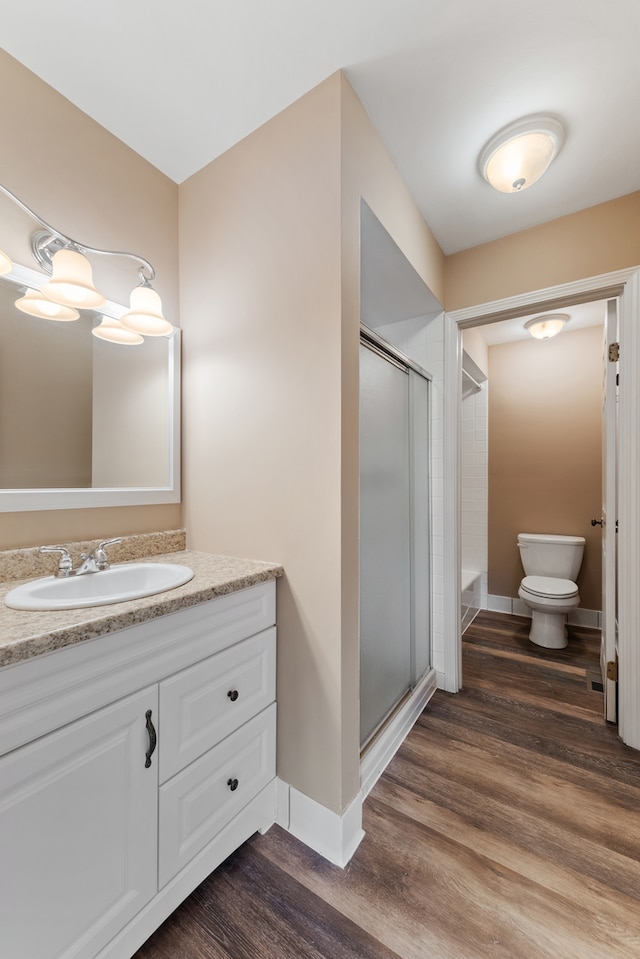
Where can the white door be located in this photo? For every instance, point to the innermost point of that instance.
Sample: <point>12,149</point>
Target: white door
<point>78,833</point>
<point>609,642</point>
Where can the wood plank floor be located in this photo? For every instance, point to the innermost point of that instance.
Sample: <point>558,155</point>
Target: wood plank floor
<point>507,826</point>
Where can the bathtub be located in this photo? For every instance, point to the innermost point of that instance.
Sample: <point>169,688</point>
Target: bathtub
<point>470,580</point>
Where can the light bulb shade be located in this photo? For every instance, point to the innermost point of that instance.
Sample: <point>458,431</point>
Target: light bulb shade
<point>6,265</point>
<point>544,327</point>
<point>113,331</point>
<point>519,154</point>
<point>145,313</point>
<point>35,304</point>
<point>71,282</point>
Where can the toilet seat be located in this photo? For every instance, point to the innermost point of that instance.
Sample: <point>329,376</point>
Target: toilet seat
<point>549,586</point>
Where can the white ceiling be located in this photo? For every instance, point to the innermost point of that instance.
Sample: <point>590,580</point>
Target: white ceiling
<point>181,82</point>
<point>581,316</point>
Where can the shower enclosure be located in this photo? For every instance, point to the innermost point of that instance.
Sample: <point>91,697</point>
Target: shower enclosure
<point>394,531</point>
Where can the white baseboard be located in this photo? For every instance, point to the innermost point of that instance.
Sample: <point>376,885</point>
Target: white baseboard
<point>385,746</point>
<point>335,837</point>
<point>282,803</point>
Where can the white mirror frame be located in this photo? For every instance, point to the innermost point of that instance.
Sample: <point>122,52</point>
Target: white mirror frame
<point>18,500</point>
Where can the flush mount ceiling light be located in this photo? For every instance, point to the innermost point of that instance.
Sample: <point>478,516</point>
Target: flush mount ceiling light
<point>544,327</point>
<point>71,285</point>
<point>521,152</point>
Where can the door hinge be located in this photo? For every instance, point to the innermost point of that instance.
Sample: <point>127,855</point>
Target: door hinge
<point>614,352</point>
<point>612,671</point>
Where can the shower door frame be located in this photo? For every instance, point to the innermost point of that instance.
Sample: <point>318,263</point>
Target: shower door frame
<point>393,729</point>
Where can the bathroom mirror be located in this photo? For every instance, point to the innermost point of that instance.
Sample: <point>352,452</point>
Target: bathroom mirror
<point>83,422</point>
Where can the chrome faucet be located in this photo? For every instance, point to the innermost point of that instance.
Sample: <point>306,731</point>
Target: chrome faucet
<point>92,562</point>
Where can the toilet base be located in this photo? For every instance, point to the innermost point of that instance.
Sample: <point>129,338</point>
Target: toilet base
<point>548,629</point>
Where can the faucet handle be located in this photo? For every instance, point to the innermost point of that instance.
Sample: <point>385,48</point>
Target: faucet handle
<point>109,542</point>
<point>65,564</point>
<point>99,553</point>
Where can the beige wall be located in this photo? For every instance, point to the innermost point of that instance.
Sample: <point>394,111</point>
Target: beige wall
<point>90,185</point>
<point>598,240</point>
<point>260,289</point>
<point>270,262</point>
<point>545,434</point>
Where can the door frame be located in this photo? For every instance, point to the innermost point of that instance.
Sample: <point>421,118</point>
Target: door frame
<point>624,284</point>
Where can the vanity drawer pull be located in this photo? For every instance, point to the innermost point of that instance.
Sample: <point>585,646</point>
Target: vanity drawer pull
<point>153,739</point>
<point>233,695</point>
<point>232,784</point>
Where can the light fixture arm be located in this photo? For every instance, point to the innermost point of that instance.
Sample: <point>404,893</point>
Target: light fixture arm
<point>46,242</point>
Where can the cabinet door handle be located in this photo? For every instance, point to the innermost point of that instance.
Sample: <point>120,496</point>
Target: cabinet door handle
<point>232,784</point>
<point>233,695</point>
<point>153,739</point>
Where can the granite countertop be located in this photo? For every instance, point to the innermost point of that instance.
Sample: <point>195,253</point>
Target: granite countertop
<point>25,633</point>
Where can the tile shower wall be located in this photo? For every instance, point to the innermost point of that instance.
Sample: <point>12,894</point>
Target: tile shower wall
<point>475,489</point>
<point>422,340</point>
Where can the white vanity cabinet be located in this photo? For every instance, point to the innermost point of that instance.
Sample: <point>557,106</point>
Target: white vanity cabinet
<point>102,835</point>
<point>78,832</point>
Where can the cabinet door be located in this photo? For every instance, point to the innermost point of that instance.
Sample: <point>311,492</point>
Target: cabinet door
<point>78,833</point>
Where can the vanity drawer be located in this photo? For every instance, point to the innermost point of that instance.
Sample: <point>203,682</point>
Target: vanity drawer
<point>201,705</point>
<point>197,803</point>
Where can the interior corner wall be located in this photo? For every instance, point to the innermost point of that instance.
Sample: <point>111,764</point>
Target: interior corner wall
<point>545,452</point>
<point>270,299</point>
<point>598,240</point>
<point>84,180</point>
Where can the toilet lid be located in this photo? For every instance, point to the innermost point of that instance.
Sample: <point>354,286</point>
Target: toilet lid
<point>550,586</point>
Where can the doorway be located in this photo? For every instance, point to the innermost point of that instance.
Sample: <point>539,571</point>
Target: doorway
<point>626,286</point>
<point>532,451</point>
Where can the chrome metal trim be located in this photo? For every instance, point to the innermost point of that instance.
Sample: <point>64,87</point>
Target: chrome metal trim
<point>384,349</point>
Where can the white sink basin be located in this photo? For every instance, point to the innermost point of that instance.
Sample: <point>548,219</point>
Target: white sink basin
<point>114,585</point>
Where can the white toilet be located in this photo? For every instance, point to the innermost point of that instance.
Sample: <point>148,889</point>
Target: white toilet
<point>551,564</point>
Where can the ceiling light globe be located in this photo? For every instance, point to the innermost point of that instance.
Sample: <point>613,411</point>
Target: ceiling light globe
<point>544,327</point>
<point>519,154</point>
<point>71,282</point>
<point>145,313</point>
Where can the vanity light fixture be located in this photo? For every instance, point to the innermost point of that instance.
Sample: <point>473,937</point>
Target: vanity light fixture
<point>71,284</point>
<point>521,152</point>
<point>544,327</point>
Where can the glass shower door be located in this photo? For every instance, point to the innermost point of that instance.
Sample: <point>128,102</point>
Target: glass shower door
<point>385,539</point>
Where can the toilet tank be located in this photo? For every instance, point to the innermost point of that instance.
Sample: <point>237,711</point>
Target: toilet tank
<point>547,554</point>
